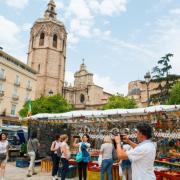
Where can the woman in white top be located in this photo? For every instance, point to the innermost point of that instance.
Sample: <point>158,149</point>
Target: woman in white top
<point>107,161</point>
<point>66,154</point>
<point>82,166</point>
<point>3,154</point>
<point>55,149</point>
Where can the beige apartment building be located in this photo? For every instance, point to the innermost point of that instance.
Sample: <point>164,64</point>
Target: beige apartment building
<point>17,84</point>
<point>138,90</point>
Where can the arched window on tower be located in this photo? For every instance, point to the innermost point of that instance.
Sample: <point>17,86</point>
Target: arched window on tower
<point>39,68</point>
<point>55,41</point>
<point>41,41</point>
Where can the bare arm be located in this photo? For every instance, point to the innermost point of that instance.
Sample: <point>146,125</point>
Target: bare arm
<point>53,147</point>
<point>120,152</point>
<point>75,144</point>
<point>128,141</point>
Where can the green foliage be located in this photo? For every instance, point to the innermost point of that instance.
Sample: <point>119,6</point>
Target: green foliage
<point>47,104</point>
<point>174,97</point>
<point>166,81</point>
<point>119,101</point>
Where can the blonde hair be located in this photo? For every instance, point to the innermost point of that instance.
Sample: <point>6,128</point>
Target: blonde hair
<point>63,137</point>
<point>107,139</point>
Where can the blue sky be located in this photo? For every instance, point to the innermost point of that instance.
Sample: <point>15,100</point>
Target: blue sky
<point>120,39</point>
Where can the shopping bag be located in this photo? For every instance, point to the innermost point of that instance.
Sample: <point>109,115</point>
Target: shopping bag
<point>79,157</point>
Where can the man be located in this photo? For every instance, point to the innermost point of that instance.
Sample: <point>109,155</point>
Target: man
<point>142,155</point>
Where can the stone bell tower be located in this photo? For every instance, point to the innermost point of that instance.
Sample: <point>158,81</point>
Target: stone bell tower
<point>47,52</point>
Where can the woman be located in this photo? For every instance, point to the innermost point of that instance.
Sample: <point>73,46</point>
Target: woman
<point>32,148</point>
<point>55,149</point>
<point>3,153</point>
<point>66,154</point>
<point>82,166</point>
<point>107,161</point>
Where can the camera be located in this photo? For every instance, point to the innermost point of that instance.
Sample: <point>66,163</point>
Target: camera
<point>76,136</point>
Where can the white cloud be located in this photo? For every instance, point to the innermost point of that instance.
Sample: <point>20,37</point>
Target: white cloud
<point>112,7</point>
<point>109,85</point>
<point>8,31</point>
<point>19,4</point>
<point>72,39</point>
<point>69,77</point>
<point>175,11</point>
<point>79,9</point>
<point>10,38</point>
<point>82,13</point>
<point>27,26</point>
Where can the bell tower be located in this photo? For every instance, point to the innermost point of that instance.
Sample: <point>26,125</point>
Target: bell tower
<point>47,52</point>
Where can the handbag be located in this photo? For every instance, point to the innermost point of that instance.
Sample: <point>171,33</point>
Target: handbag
<point>79,157</point>
<point>2,156</point>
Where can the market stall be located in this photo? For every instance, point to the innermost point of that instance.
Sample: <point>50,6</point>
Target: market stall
<point>164,119</point>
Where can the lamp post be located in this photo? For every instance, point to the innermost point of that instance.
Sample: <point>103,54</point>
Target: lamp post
<point>147,78</point>
<point>50,92</point>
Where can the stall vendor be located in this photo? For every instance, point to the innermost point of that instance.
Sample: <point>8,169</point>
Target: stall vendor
<point>142,155</point>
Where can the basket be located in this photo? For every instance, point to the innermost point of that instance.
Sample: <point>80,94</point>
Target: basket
<point>22,163</point>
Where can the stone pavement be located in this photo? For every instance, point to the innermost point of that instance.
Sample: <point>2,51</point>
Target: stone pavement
<point>15,173</point>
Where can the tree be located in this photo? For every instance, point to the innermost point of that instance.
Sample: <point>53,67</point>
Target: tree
<point>47,104</point>
<point>174,97</point>
<point>119,101</point>
<point>161,74</point>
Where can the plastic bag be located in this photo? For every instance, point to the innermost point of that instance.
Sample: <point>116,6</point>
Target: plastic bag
<point>100,160</point>
<point>120,171</point>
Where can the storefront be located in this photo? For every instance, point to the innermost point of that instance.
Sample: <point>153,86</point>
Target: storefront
<point>165,121</point>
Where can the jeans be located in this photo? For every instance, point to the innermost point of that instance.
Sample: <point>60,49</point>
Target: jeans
<point>106,166</point>
<point>55,160</point>
<point>65,168</point>
<point>82,169</point>
<point>32,156</point>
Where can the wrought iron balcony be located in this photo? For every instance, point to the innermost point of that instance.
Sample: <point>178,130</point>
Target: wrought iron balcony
<point>15,97</point>
<point>17,83</point>
<point>29,88</point>
<point>1,93</point>
<point>2,78</point>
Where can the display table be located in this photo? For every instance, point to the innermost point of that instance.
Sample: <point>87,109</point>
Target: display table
<point>13,154</point>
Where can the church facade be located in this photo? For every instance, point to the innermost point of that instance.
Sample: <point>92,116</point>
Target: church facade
<point>47,55</point>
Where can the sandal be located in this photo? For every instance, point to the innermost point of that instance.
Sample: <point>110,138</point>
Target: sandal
<point>34,173</point>
<point>28,175</point>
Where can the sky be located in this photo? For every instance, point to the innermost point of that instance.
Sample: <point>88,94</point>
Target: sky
<point>120,40</point>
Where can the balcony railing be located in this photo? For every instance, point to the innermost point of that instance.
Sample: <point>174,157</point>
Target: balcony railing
<point>17,83</point>
<point>2,78</point>
<point>1,93</point>
<point>15,97</point>
<point>29,88</point>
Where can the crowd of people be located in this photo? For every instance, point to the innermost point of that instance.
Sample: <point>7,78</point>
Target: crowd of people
<point>138,159</point>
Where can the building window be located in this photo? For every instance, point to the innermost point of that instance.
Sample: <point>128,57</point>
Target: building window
<point>13,109</point>
<point>41,41</point>
<point>17,80</point>
<point>55,41</point>
<point>63,45</point>
<point>82,98</point>
<point>39,68</point>
<point>52,9</point>
<point>15,91</point>
<point>2,73</point>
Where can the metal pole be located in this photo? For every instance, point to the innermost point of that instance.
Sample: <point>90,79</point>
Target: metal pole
<point>147,94</point>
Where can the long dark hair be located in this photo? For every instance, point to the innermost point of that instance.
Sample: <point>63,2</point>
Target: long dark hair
<point>2,134</point>
<point>33,135</point>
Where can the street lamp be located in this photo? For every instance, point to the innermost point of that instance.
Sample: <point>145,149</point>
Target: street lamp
<point>147,78</point>
<point>50,92</point>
